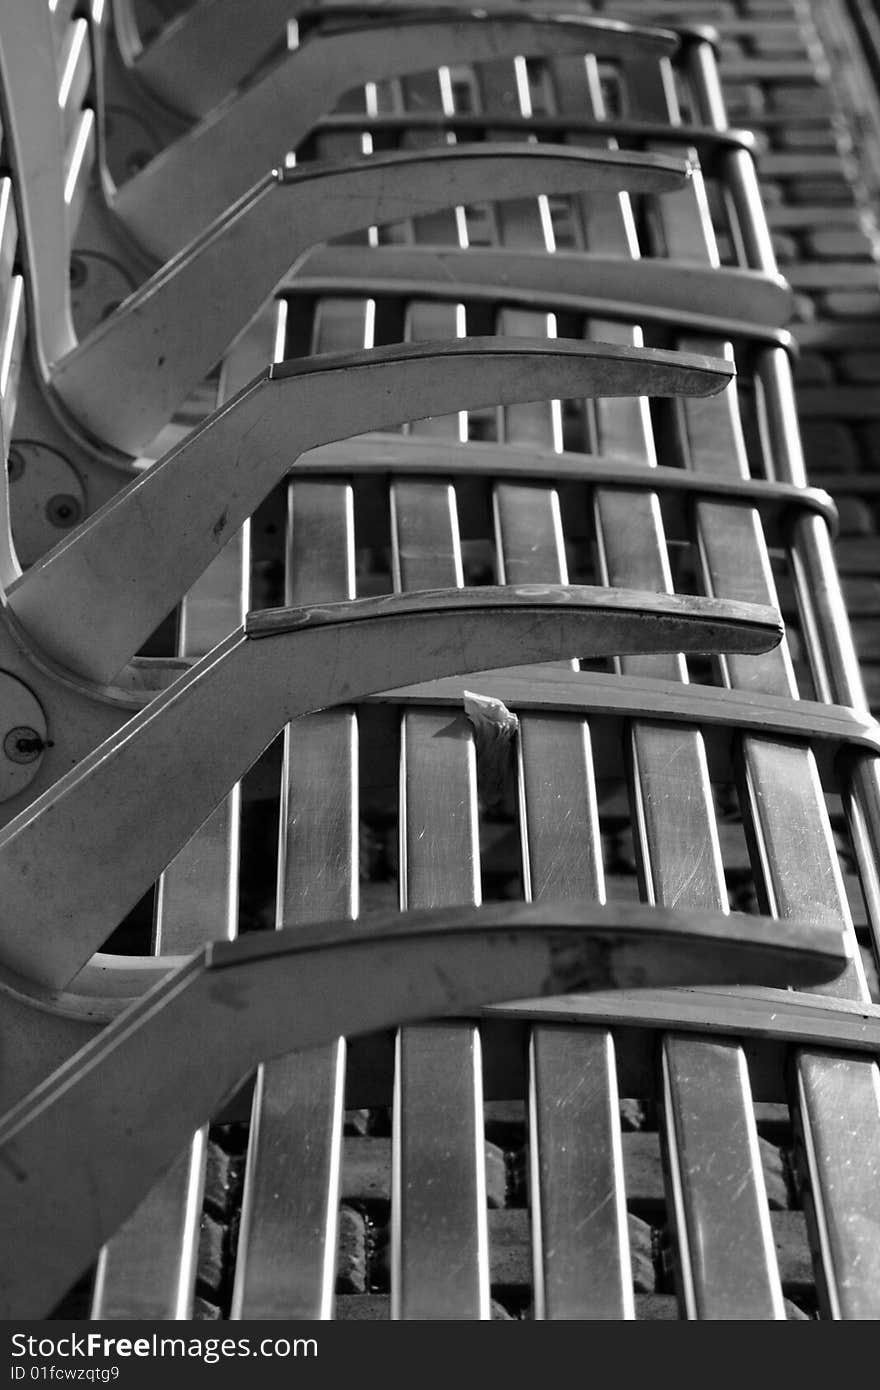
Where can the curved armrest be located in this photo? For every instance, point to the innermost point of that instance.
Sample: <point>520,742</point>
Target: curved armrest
<point>209,50</point>
<point>138,798</point>
<point>83,1149</point>
<point>126,379</point>
<point>95,599</point>
<point>700,297</point>
<point>196,179</point>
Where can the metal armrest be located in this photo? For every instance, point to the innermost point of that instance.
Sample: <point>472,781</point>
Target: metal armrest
<point>95,599</point>
<point>125,380</point>
<point>186,70</point>
<point>82,1150</point>
<point>170,765</point>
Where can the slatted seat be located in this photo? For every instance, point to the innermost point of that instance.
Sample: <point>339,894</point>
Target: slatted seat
<point>641,807</point>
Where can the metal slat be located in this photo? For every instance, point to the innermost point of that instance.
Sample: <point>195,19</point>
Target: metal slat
<point>149,1269</point>
<point>440,1261</point>
<point>439,1236</point>
<point>677,840</point>
<point>580,1241</point>
<point>796,858</point>
<point>286,1261</point>
<point>286,1257</point>
<point>580,1245</point>
<point>579,1227</point>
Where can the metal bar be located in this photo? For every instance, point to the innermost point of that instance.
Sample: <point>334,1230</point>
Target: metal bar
<point>796,857</point>
<point>680,864</point>
<point>580,1242</point>
<point>286,1260</point>
<point>148,1269</point>
<point>439,1253</point>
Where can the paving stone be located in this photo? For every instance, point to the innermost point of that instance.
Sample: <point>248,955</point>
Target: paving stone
<point>811,99</point>
<point>351,1252</point>
<point>657,1308</point>
<point>505,1122</point>
<point>792,1250</point>
<point>496,1176</point>
<point>775,1172</point>
<point>829,445</point>
<point>839,402</point>
<point>211,1250</point>
<point>744,99</point>
<point>376,1307</point>
<point>223,1175</point>
<point>785,248</point>
<point>820,191</point>
<point>641,1249</point>
<point>838,243</point>
<point>771,193</point>
<point>859,366</point>
<point>803,308</point>
<point>769,70</point>
<point>778,40</point>
<point>203,1311</point>
<point>510,1257</point>
<point>807,138</point>
<point>634,1115</point>
<point>846,304</point>
<point>810,215</point>
<point>773,1120</point>
<point>366,1171</point>
<point>802,165</point>
<point>858,555</point>
<point>855,517</point>
<point>367,1308</point>
<point>834,276</point>
<point>730,50</point>
<point>811,369</point>
<point>793,1313</point>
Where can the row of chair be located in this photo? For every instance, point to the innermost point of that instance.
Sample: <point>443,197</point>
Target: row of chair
<point>425,374</point>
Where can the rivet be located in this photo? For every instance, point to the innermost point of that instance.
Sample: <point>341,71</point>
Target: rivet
<point>63,509</point>
<point>78,272</point>
<point>23,744</point>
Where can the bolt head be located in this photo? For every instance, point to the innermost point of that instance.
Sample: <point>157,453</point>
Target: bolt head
<point>23,744</point>
<point>63,509</point>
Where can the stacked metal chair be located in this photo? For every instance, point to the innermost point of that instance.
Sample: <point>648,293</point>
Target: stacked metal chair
<point>439,419</point>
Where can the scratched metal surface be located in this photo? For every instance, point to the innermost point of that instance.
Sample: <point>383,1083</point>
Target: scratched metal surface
<point>647,818</point>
